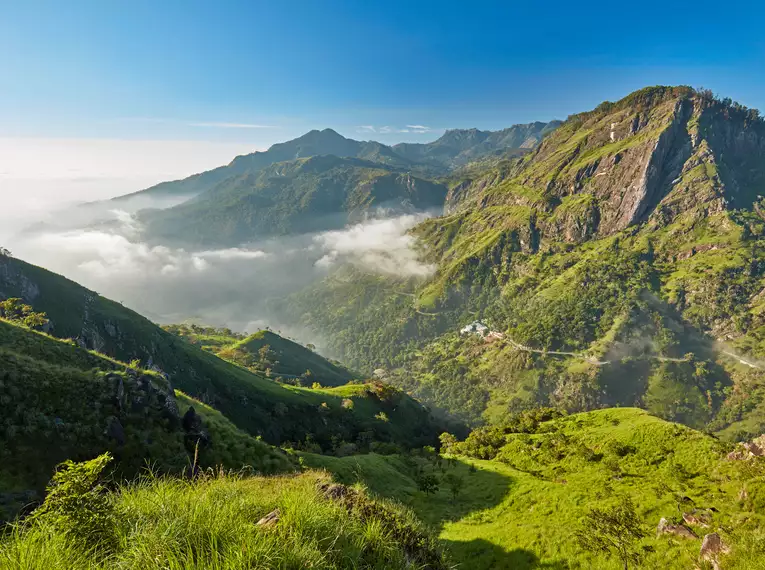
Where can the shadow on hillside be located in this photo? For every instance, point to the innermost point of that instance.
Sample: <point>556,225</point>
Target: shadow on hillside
<point>481,554</point>
<point>481,490</point>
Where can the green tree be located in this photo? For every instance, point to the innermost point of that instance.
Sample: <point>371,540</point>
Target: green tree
<point>266,356</point>
<point>15,310</point>
<point>615,531</point>
<point>427,483</point>
<point>455,483</point>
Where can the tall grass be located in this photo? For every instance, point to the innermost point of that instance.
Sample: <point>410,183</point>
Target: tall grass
<point>211,524</point>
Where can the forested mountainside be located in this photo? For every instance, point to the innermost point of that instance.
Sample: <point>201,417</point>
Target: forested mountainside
<point>455,147</point>
<point>296,197</point>
<point>355,414</point>
<point>629,241</point>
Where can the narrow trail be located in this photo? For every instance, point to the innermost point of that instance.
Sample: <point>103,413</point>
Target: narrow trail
<point>585,357</point>
<point>743,360</point>
<point>593,360</point>
<point>518,346</point>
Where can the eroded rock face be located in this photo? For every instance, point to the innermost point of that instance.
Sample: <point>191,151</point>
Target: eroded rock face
<point>12,277</point>
<point>644,159</point>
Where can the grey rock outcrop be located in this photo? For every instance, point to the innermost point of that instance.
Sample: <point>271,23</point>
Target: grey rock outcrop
<point>666,527</point>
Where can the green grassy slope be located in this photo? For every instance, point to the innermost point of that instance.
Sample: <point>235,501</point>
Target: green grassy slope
<point>286,358</point>
<point>294,359</point>
<point>521,509</point>
<point>212,523</point>
<point>63,402</point>
<point>255,404</point>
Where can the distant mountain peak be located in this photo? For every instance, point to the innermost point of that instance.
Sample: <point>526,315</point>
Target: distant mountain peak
<point>455,148</point>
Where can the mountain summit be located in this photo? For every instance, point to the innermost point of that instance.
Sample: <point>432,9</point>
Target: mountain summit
<point>453,148</point>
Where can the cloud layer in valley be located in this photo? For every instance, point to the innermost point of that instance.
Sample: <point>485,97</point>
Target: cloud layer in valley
<point>229,286</point>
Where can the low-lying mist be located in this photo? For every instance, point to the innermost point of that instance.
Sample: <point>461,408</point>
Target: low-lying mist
<point>101,246</point>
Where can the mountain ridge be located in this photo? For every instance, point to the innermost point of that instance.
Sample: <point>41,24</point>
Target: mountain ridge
<point>319,142</point>
<point>631,232</point>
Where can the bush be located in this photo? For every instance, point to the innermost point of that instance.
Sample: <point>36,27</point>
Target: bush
<point>78,506</point>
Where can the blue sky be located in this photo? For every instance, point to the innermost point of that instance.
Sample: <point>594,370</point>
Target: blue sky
<point>249,73</point>
<point>164,69</point>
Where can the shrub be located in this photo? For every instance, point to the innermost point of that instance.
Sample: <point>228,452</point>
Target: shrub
<point>78,506</point>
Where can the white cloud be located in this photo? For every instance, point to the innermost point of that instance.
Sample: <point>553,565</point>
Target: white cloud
<point>419,129</point>
<point>381,246</point>
<point>388,130</point>
<point>233,253</point>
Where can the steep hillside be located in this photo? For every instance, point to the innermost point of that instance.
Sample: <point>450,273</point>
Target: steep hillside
<point>630,238</point>
<point>293,359</point>
<point>64,402</point>
<point>279,413</point>
<point>296,197</point>
<point>519,496</point>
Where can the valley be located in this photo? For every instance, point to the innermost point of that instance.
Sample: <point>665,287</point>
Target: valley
<point>538,347</point>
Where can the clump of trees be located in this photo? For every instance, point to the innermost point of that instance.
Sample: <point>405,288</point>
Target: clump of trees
<point>16,311</point>
<point>486,442</point>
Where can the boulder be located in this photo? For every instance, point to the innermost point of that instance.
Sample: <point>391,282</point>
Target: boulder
<point>270,519</point>
<point>666,527</point>
<point>697,517</point>
<point>194,428</point>
<point>711,547</point>
<point>754,449</point>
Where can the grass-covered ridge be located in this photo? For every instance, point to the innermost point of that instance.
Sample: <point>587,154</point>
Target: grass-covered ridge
<point>521,506</point>
<point>267,352</point>
<point>222,521</point>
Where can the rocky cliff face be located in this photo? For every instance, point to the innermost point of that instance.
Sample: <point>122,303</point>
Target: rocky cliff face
<point>650,157</point>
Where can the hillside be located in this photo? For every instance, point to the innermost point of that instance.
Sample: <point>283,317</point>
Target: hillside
<point>297,197</point>
<point>629,242</point>
<point>64,402</point>
<point>516,496</point>
<point>219,521</point>
<point>457,146</point>
<point>266,352</point>
<point>259,406</point>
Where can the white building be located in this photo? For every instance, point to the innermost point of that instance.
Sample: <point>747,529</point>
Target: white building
<point>476,327</point>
